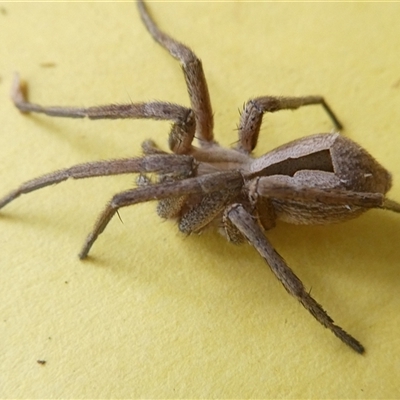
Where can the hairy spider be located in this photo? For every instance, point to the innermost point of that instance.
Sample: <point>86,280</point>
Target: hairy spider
<point>319,179</point>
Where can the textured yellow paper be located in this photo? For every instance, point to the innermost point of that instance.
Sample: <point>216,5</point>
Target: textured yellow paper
<point>153,313</point>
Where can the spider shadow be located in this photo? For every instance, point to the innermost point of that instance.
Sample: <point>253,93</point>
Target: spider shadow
<point>82,136</point>
<point>378,258</point>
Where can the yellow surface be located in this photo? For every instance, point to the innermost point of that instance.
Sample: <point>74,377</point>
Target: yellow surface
<point>155,314</point>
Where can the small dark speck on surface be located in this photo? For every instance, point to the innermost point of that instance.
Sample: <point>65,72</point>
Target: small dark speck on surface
<point>41,362</point>
<point>48,64</point>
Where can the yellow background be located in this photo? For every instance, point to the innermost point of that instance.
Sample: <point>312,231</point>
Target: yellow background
<point>153,313</point>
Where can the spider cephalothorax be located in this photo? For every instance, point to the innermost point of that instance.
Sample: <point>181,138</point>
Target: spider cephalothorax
<point>319,179</point>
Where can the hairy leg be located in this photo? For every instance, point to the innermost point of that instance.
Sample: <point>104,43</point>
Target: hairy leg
<point>268,187</point>
<point>168,164</point>
<point>201,185</point>
<point>181,134</point>
<point>194,76</point>
<point>251,117</point>
<point>272,188</point>
<point>251,230</point>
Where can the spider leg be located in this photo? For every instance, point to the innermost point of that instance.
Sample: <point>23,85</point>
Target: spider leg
<point>273,188</point>
<point>194,76</point>
<point>391,205</point>
<point>251,118</point>
<point>201,185</point>
<point>180,137</point>
<point>251,230</point>
<point>150,147</point>
<point>168,164</point>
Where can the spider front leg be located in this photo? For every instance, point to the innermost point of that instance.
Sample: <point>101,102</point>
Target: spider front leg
<point>251,117</point>
<point>244,221</point>
<point>181,134</point>
<point>194,75</point>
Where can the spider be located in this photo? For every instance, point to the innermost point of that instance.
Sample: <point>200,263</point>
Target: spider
<point>318,179</point>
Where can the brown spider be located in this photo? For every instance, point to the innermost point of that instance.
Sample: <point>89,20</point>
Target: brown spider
<point>319,179</point>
